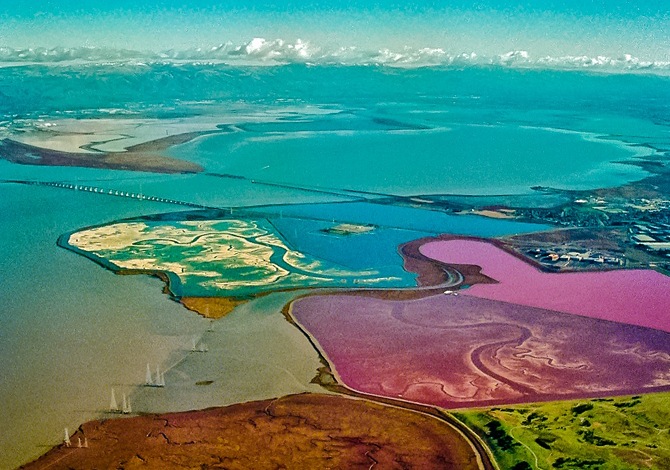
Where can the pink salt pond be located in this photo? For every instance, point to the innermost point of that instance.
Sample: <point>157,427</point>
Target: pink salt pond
<point>636,297</point>
<point>459,351</point>
<point>532,336</point>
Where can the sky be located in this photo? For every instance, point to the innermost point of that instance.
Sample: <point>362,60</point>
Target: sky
<point>551,27</point>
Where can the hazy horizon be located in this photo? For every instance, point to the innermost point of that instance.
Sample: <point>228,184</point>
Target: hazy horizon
<point>610,28</point>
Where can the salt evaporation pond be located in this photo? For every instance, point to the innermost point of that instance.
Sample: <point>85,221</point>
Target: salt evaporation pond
<point>638,297</point>
<point>466,351</point>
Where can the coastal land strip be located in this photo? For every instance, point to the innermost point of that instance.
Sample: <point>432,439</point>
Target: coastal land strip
<point>297,431</point>
<point>144,157</point>
<point>621,227</point>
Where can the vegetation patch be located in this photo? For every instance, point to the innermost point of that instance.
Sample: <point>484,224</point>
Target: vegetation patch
<point>600,434</point>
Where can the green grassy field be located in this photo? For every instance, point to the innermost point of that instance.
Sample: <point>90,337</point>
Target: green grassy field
<point>603,433</point>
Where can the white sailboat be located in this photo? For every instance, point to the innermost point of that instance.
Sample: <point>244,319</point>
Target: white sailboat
<point>149,381</point>
<point>126,409</point>
<point>201,348</point>
<point>66,441</point>
<point>159,380</point>
<point>113,406</point>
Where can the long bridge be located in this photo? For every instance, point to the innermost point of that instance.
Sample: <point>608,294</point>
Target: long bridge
<point>110,192</point>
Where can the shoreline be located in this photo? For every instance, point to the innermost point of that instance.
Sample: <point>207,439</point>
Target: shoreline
<point>299,420</point>
<point>143,157</point>
<point>328,378</point>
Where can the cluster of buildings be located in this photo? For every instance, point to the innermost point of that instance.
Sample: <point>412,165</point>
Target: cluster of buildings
<point>570,257</point>
<point>595,211</point>
<point>625,206</point>
<point>653,237</point>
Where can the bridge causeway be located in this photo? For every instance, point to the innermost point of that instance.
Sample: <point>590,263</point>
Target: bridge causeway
<point>110,192</point>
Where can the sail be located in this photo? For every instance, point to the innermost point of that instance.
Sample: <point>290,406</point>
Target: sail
<point>196,348</point>
<point>126,405</point>
<point>152,381</point>
<point>149,380</point>
<point>113,406</point>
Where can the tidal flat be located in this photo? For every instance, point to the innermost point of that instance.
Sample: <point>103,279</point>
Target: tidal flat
<point>458,350</point>
<point>301,431</point>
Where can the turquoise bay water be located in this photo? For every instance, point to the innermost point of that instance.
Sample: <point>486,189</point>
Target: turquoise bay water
<point>459,160</point>
<point>303,225</point>
<point>69,331</point>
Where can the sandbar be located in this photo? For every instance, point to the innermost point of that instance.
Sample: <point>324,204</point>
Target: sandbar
<point>211,307</point>
<point>145,157</point>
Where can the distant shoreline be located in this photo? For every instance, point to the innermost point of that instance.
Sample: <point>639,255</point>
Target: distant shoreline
<point>144,157</point>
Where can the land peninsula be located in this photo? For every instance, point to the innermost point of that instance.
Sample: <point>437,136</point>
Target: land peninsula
<point>145,157</point>
<point>299,431</point>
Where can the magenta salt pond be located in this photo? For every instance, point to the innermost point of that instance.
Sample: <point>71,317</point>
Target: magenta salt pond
<point>463,351</point>
<point>638,297</point>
